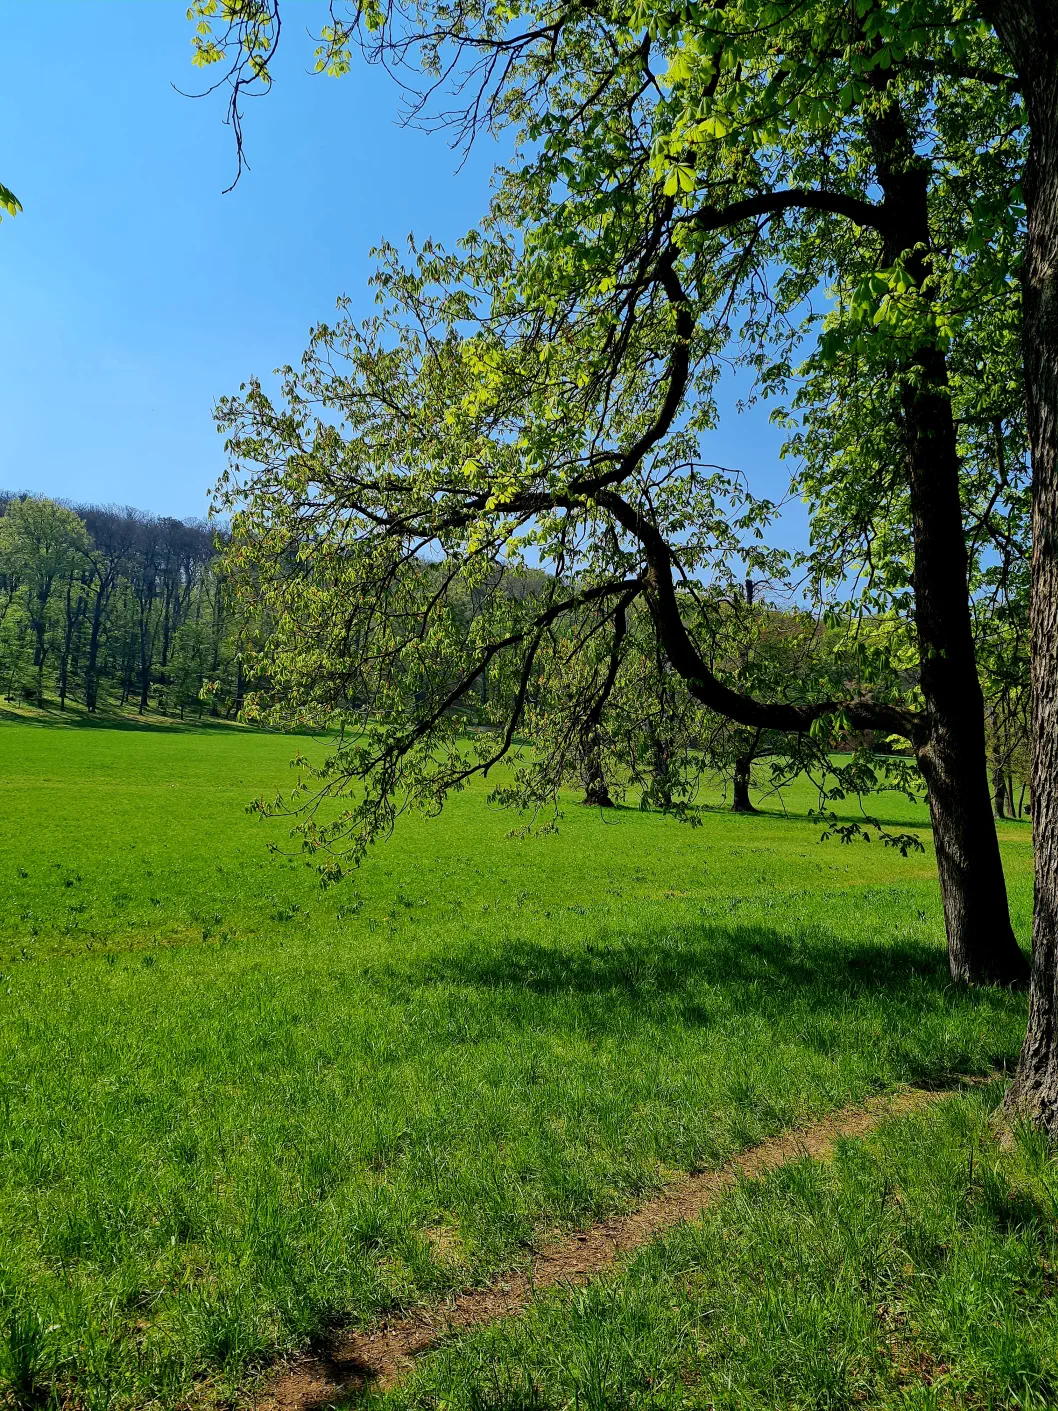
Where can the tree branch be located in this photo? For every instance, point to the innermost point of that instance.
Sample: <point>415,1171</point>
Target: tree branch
<point>862,714</point>
<point>773,203</point>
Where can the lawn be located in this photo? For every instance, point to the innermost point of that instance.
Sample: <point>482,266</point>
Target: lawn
<point>238,1110</point>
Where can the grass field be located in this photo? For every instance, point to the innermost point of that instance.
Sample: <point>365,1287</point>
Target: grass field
<point>237,1110</point>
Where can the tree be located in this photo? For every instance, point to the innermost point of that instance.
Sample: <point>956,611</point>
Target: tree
<point>75,605</point>
<point>727,75</point>
<point>191,657</point>
<point>654,725</point>
<point>1029,35</point>
<point>40,542</point>
<point>406,457</point>
<point>743,747</point>
<point>112,533</point>
<point>143,576</point>
<point>114,609</point>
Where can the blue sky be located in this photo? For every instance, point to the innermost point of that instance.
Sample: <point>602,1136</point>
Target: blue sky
<point>134,292</point>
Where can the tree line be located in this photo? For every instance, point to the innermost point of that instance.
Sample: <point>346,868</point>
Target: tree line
<point>112,607</point>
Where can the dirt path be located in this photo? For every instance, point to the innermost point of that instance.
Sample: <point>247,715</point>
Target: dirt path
<point>381,1356</point>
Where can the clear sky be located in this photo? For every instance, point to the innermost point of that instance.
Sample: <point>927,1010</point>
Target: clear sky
<point>134,292</point>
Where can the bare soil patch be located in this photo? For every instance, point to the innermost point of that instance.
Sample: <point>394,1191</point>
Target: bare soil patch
<point>379,1356</point>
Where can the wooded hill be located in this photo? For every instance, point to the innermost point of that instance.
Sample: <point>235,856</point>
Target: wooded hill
<point>109,606</point>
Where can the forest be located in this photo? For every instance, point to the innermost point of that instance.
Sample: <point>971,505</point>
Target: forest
<point>114,608</point>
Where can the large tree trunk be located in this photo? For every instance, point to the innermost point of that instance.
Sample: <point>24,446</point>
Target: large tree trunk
<point>596,789</point>
<point>951,752</point>
<point>950,747</point>
<point>740,781</point>
<point>1029,32</point>
<point>982,948</point>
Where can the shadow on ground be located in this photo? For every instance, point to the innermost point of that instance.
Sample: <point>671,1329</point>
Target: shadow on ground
<point>51,717</point>
<point>809,983</point>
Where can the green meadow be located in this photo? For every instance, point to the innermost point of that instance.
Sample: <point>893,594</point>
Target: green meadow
<point>237,1111</point>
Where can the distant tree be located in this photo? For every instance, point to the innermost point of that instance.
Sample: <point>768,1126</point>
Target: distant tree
<point>143,575</point>
<point>190,662</point>
<point>112,533</point>
<point>655,725</point>
<point>9,586</point>
<point>68,628</point>
<point>112,605</point>
<point>41,542</point>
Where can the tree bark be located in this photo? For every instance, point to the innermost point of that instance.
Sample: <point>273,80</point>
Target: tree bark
<point>950,744</point>
<point>982,948</point>
<point>740,781</point>
<point>1029,33</point>
<point>596,789</point>
<point>950,749</point>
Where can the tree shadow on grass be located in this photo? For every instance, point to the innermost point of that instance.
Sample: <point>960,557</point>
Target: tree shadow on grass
<point>814,986</point>
<point>766,811</point>
<point>52,718</point>
<point>628,961</point>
